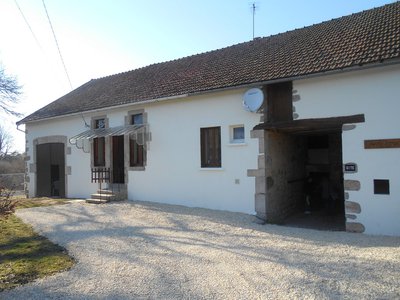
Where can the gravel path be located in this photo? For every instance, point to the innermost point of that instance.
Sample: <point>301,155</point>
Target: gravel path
<point>151,251</point>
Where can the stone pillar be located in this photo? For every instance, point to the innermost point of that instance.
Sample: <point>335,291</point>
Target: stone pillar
<point>260,178</point>
<point>352,208</point>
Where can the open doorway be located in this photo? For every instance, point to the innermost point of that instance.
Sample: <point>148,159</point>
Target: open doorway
<point>305,180</point>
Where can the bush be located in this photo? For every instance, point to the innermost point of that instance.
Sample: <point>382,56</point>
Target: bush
<point>7,205</point>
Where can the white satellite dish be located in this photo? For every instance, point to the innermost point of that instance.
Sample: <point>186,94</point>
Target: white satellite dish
<point>253,99</point>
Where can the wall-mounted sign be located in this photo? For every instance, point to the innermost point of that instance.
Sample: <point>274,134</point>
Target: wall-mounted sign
<point>350,168</point>
<point>382,144</point>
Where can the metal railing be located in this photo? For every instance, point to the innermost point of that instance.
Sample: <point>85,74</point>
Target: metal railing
<point>101,175</point>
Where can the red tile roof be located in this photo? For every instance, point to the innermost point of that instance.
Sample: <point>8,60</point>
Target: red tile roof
<point>368,37</point>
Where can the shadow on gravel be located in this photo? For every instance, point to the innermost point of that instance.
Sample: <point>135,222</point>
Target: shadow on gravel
<point>248,222</point>
<point>337,259</point>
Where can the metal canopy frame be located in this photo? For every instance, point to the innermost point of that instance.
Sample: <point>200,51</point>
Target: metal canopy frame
<point>139,133</point>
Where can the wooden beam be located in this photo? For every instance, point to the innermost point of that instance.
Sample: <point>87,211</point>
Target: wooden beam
<point>317,124</point>
<point>382,144</point>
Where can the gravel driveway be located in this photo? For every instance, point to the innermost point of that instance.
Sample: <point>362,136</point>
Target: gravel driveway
<point>153,251</point>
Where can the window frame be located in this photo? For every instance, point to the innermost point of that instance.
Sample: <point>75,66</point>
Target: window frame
<point>210,147</point>
<point>99,143</point>
<point>137,153</point>
<point>99,146</point>
<point>232,139</point>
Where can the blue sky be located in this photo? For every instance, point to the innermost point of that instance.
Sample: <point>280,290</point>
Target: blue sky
<point>103,37</point>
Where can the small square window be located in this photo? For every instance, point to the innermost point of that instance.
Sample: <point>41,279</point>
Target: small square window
<point>137,119</point>
<point>381,186</point>
<point>100,124</point>
<point>237,134</point>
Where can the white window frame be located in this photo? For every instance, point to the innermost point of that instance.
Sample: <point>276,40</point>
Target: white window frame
<point>232,139</point>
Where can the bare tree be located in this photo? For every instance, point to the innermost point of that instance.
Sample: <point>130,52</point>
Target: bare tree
<point>6,141</point>
<point>9,93</point>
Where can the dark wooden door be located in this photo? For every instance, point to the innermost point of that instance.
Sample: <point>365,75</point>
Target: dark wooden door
<point>50,170</point>
<point>118,159</point>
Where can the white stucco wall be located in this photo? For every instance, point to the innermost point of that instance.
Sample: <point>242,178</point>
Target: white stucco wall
<point>374,93</point>
<point>173,173</point>
<point>78,183</point>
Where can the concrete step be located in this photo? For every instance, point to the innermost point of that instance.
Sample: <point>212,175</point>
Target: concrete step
<point>97,201</point>
<point>104,192</point>
<point>102,196</point>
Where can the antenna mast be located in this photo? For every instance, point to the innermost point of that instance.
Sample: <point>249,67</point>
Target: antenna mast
<point>254,13</point>
<point>254,7</point>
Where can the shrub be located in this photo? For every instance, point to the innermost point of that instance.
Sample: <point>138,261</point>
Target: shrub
<point>7,205</point>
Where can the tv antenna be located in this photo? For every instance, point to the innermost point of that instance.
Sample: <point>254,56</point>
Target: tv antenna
<point>254,7</point>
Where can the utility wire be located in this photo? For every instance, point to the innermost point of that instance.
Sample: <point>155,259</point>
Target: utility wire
<point>33,34</point>
<point>58,47</point>
<point>29,26</point>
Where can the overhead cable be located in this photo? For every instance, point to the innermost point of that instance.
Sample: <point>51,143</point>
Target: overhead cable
<point>58,47</point>
<point>29,26</point>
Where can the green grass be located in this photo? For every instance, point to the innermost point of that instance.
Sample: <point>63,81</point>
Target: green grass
<point>25,255</point>
<point>36,202</point>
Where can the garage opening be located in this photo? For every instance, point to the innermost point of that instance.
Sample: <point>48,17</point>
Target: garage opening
<point>321,203</point>
<point>304,173</point>
<point>305,180</point>
<point>50,170</point>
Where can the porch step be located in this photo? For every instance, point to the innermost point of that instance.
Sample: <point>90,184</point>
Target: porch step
<point>102,196</point>
<point>97,201</point>
<point>116,193</point>
<point>104,192</point>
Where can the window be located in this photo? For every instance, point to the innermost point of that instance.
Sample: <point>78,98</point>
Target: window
<point>100,124</point>
<point>99,152</point>
<point>210,143</point>
<point>99,148</point>
<point>237,134</point>
<point>381,186</point>
<point>137,119</point>
<point>136,151</point>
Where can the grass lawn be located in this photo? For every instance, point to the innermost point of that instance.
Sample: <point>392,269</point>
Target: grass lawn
<point>25,255</point>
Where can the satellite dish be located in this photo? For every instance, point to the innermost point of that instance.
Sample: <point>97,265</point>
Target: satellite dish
<point>253,99</point>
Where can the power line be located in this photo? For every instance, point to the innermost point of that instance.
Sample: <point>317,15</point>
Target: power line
<point>29,26</point>
<point>33,34</point>
<point>58,47</point>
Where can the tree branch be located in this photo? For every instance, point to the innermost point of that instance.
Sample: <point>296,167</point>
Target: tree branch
<point>9,94</point>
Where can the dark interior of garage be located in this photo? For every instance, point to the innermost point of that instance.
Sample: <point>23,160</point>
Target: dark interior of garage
<point>321,204</point>
<point>305,180</point>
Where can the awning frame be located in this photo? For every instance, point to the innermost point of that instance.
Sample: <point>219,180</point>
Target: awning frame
<point>140,133</point>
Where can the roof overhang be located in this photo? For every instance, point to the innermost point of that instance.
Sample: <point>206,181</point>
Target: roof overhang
<point>311,126</point>
<point>358,67</point>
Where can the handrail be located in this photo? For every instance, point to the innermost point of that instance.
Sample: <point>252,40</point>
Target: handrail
<point>101,175</point>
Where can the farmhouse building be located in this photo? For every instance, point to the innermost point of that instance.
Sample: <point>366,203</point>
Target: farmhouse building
<point>301,123</point>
